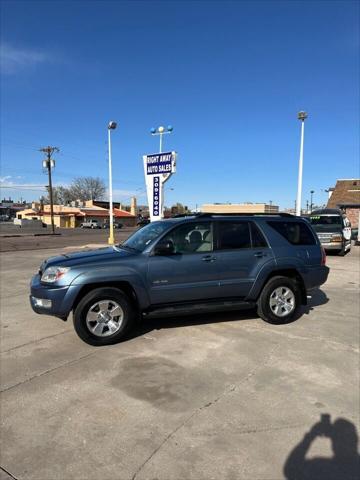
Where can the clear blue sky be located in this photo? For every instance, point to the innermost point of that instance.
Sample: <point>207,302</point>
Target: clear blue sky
<point>229,76</point>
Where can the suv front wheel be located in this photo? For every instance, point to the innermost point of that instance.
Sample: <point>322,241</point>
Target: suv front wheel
<point>279,301</point>
<point>103,316</point>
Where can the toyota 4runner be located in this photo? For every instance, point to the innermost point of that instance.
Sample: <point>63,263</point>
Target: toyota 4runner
<point>184,265</point>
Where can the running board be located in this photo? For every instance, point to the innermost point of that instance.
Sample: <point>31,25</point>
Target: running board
<point>201,307</point>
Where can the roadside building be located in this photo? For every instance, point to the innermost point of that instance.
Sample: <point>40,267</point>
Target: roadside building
<point>92,211</point>
<point>239,208</point>
<point>69,216</point>
<point>64,216</point>
<point>103,204</point>
<point>346,195</point>
<point>9,208</point>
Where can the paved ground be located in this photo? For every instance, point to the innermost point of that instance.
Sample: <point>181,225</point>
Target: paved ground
<point>222,396</point>
<point>13,238</point>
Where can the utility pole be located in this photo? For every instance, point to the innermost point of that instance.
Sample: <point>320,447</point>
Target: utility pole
<point>48,164</point>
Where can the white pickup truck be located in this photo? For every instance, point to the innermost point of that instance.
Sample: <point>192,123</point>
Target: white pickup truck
<point>90,224</point>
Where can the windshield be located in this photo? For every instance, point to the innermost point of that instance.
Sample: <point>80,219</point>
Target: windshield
<point>326,220</point>
<point>145,235</point>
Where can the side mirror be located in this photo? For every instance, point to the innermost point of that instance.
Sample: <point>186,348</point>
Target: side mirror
<point>164,248</point>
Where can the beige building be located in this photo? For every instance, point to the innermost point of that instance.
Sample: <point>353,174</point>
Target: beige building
<point>72,216</point>
<point>239,208</point>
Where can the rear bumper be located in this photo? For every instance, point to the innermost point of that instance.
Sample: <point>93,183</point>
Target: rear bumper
<point>61,298</point>
<point>316,277</point>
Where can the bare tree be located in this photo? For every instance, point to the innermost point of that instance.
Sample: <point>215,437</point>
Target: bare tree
<point>61,196</point>
<point>81,188</point>
<point>179,209</point>
<point>87,188</point>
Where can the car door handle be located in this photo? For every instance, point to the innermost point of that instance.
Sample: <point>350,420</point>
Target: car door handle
<point>208,258</point>
<point>259,254</point>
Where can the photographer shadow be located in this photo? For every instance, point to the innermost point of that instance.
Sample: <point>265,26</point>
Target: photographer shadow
<point>345,463</point>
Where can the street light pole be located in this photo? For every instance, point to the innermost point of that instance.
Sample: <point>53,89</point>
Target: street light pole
<point>161,131</point>
<point>111,126</point>
<point>301,116</point>
<point>311,199</point>
<point>161,136</point>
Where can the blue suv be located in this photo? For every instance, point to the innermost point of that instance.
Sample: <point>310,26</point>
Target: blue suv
<point>184,265</point>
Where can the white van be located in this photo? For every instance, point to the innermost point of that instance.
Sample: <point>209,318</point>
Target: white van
<point>333,229</point>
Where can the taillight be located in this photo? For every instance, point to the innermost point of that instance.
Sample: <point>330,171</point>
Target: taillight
<point>323,256</point>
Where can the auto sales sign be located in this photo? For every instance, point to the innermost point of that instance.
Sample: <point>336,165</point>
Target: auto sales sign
<point>158,168</point>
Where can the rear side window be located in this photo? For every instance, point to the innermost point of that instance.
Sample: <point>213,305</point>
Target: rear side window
<point>296,233</point>
<point>257,238</point>
<point>234,235</point>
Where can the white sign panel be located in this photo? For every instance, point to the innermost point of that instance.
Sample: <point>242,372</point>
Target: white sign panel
<point>158,168</point>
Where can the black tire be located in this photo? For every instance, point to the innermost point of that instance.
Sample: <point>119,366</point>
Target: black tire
<point>85,304</point>
<point>344,251</point>
<point>263,305</point>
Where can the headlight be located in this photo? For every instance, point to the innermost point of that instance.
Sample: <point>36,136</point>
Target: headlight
<point>52,274</point>
<point>336,238</point>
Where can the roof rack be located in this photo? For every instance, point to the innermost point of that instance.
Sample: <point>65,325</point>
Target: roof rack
<point>254,214</point>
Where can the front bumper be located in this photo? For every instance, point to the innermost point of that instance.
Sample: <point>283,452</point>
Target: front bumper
<point>62,298</point>
<point>332,245</point>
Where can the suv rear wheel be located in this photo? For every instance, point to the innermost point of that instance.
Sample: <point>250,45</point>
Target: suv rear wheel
<point>103,316</point>
<point>279,301</point>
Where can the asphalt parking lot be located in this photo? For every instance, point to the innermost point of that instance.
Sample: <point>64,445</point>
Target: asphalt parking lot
<point>13,238</point>
<point>222,396</point>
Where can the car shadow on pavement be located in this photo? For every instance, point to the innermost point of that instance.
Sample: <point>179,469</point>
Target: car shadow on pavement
<point>318,297</point>
<point>345,462</point>
<point>147,325</point>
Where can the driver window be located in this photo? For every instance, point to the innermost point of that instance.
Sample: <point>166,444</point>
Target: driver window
<point>191,238</point>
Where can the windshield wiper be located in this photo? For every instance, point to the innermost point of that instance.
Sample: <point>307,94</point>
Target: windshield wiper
<point>126,247</point>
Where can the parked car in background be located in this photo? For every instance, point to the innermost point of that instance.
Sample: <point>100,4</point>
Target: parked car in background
<point>333,229</point>
<point>90,224</point>
<point>116,225</point>
<point>205,262</point>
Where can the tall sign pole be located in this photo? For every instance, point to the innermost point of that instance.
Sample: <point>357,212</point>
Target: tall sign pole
<point>48,164</point>
<point>158,168</point>
<point>302,117</point>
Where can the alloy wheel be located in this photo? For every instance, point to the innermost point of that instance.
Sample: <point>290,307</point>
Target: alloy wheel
<point>282,301</point>
<point>104,318</point>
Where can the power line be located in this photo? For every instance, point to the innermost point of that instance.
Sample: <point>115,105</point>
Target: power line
<point>24,187</point>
